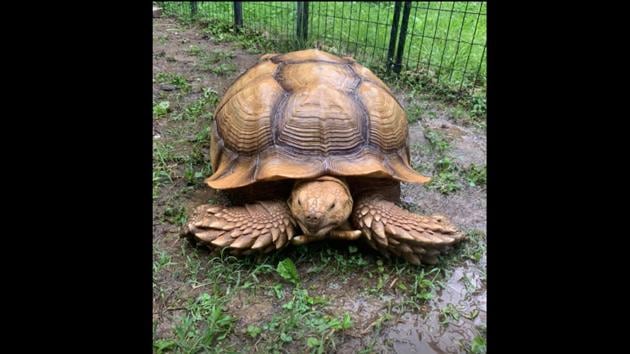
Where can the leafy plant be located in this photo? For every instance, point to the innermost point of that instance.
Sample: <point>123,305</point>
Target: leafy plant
<point>414,112</point>
<point>449,312</point>
<point>194,50</point>
<point>161,345</point>
<point>438,142</point>
<point>205,324</point>
<point>447,179</point>
<point>253,331</point>
<point>475,175</point>
<point>176,215</point>
<point>223,69</point>
<point>479,106</point>
<point>478,345</point>
<point>287,270</point>
<point>200,107</point>
<point>161,108</point>
<point>174,79</point>
<point>424,286</point>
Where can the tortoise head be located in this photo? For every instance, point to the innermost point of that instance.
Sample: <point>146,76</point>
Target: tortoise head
<point>320,205</point>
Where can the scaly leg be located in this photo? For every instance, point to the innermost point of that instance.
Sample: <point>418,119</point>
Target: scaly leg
<point>391,229</point>
<point>263,226</point>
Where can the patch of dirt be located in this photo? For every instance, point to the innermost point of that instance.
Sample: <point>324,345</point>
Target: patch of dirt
<point>467,207</point>
<point>347,295</point>
<point>469,145</point>
<point>250,310</point>
<point>430,333</point>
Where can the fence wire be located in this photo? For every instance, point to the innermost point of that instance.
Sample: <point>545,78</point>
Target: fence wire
<point>442,41</point>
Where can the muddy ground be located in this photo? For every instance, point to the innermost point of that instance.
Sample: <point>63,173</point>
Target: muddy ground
<point>345,298</point>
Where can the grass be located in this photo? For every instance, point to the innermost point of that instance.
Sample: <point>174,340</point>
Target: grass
<point>449,313</point>
<point>202,107</point>
<point>215,62</point>
<point>302,320</point>
<point>175,215</point>
<point>470,112</point>
<point>478,345</point>
<point>303,317</point>
<point>194,175</point>
<point>224,69</point>
<point>163,260</point>
<point>476,246</point>
<point>438,142</point>
<point>161,108</point>
<point>414,113</point>
<point>204,325</point>
<point>475,175</point>
<point>445,41</point>
<point>195,50</point>
<point>177,80</point>
<point>162,169</point>
<point>448,177</point>
<point>477,105</point>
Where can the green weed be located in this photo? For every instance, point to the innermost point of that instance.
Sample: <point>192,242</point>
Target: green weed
<point>161,108</point>
<point>446,180</point>
<point>414,112</point>
<point>437,141</point>
<point>204,325</point>
<point>200,108</point>
<point>223,69</point>
<point>176,80</point>
<point>475,175</point>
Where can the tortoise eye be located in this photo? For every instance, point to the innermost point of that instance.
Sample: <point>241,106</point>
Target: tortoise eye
<point>332,206</point>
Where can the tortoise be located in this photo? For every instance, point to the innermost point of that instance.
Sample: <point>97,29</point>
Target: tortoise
<point>311,146</point>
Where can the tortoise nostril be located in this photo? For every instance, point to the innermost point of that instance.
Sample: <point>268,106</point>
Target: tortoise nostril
<point>312,218</point>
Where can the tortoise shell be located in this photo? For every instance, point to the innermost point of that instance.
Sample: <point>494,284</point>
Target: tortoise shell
<point>306,114</point>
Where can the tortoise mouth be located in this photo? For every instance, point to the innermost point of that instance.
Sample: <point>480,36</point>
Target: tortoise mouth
<point>320,231</point>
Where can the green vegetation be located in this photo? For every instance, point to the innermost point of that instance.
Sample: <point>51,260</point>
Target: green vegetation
<point>445,44</point>
<point>161,108</point>
<point>204,325</point>
<point>201,107</point>
<point>176,80</point>
<point>448,177</point>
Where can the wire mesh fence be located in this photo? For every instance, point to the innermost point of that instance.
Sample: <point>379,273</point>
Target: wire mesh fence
<point>444,42</point>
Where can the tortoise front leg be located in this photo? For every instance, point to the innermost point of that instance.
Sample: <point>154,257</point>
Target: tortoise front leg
<point>391,229</point>
<point>262,226</point>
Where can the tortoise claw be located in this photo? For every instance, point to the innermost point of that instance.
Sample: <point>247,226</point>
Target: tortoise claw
<point>261,227</point>
<point>391,229</point>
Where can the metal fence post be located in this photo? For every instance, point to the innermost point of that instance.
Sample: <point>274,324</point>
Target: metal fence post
<point>302,21</point>
<point>401,39</point>
<point>238,15</point>
<point>305,20</point>
<point>392,36</point>
<point>193,9</point>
